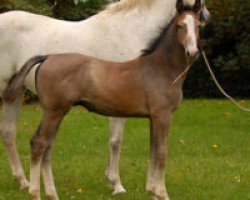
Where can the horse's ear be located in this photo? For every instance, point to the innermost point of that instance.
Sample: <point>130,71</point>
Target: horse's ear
<point>179,6</point>
<point>197,6</point>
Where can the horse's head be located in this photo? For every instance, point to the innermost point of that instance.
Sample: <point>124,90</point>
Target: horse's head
<point>187,24</point>
<point>204,13</point>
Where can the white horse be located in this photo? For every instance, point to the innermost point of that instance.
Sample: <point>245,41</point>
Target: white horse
<point>118,33</point>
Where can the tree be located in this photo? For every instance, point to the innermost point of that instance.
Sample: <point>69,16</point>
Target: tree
<point>6,5</point>
<point>228,50</point>
<point>76,9</point>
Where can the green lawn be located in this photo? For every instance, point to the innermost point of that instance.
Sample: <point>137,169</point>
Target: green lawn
<point>196,170</point>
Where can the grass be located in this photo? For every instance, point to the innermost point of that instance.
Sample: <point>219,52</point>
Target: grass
<point>209,154</point>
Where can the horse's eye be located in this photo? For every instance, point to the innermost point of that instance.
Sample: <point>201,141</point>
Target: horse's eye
<point>180,26</point>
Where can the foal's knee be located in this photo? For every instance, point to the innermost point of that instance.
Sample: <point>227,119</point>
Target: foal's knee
<point>37,146</point>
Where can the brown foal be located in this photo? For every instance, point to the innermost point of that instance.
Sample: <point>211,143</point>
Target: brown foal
<point>144,87</point>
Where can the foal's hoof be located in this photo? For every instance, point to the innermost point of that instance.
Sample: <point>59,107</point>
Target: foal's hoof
<point>119,190</point>
<point>51,197</point>
<point>34,195</point>
<point>158,195</point>
<point>22,181</point>
<point>24,184</point>
<point>154,197</point>
<point>114,183</point>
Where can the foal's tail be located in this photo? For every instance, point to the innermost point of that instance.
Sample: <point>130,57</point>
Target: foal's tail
<point>17,81</point>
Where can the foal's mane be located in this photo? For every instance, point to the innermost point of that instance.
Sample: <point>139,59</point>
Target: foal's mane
<point>125,5</point>
<point>153,44</point>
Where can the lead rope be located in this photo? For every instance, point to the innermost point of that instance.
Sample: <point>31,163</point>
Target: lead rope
<point>218,84</point>
<point>182,74</point>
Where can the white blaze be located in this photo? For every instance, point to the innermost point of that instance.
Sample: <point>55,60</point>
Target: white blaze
<point>191,45</point>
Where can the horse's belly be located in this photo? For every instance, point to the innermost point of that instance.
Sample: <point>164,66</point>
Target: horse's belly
<point>118,106</point>
<point>113,110</point>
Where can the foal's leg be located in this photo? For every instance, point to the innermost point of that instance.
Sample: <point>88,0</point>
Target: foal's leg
<point>8,132</point>
<point>50,189</point>
<point>39,143</point>
<point>116,126</point>
<point>159,126</point>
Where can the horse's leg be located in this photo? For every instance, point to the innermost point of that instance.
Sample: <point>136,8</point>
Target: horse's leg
<point>159,126</point>
<point>50,189</point>
<point>39,143</point>
<point>8,133</point>
<point>116,126</point>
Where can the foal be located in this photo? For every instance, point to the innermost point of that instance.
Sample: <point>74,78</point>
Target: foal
<point>144,87</point>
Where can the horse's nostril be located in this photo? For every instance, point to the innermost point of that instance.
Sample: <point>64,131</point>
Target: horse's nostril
<point>192,52</point>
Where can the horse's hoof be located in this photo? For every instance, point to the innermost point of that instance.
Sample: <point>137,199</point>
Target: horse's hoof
<point>35,197</point>
<point>22,181</point>
<point>159,197</point>
<point>119,190</point>
<point>24,184</point>
<point>35,194</point>
<point>153,197</point>
<point>52,197</point>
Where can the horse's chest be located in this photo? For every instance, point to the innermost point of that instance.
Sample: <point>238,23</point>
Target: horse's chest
<point>177,100</point>
<point>164,98</point>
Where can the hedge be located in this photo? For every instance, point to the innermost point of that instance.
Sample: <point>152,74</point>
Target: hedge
<point>228,48</point>
<point>226,35</point>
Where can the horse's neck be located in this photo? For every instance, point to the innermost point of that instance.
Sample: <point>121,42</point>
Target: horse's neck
<point>141,24</point>
<point>173,49</point>
<point>172,52</point>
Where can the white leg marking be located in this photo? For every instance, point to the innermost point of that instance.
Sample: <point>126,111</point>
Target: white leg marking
<point>50,188</point>
<point>156,183</point>
<point>159,126</point>
<point>34,189</point>
<point>116,126</point>
<point>8,133</point>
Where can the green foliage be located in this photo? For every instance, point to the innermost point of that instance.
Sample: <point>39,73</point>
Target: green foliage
<point>76,10</point>
<point>39,7</point>
<point>228,48</point>
<point>231,34</point>
<point>227,37</point>
<point>62,9</point>
<point>6,5</point>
